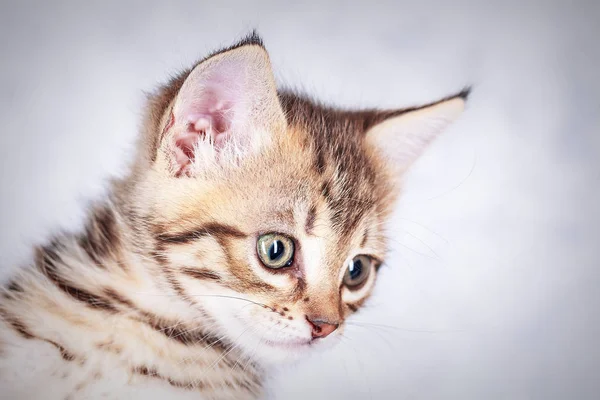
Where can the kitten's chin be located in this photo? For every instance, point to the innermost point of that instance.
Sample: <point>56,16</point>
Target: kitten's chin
<point>271,353</point>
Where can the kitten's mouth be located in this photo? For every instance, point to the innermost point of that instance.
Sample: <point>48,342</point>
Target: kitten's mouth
<point>289,344</point>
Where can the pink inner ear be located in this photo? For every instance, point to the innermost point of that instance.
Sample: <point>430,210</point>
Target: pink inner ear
<point>207,106</point>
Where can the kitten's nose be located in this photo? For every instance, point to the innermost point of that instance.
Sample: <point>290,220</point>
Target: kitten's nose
<point>321,329</point>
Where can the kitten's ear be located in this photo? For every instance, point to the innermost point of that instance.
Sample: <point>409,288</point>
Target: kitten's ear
<point>227,107</point>
<point>402,136</point>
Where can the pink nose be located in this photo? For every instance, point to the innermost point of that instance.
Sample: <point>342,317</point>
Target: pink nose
<point>321,329</point>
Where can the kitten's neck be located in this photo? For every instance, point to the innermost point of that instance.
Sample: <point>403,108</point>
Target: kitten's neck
<point>104,287</point>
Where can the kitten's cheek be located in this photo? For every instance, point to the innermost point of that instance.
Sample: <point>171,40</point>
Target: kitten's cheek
<point>228,315</point>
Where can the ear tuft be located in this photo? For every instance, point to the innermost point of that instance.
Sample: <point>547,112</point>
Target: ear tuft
<point>464,94</point>
<point>402,136</point>
<point>253,38</point>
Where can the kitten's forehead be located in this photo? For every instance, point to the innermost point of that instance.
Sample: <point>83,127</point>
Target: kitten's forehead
<point>350,178</point>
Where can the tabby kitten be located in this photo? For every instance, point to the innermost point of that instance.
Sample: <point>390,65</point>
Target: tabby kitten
<point>248,230</point>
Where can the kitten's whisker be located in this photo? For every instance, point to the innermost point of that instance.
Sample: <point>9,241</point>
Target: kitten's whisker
<point>396,328</point>
<point>219,340</point>
<point>454,188</point>
<point>437,256</point>
<point>207,295</point>
<point>230,297</point>
<point>411,249</point>
<point>426,228</point>
<point>233,347</point>
<point>201,354</point>
<point>374,329</point>
<point>258,343</point>
<point>248,356</point>
<point>175,325</point>
<point>388,234</point>
<point>186,331</point>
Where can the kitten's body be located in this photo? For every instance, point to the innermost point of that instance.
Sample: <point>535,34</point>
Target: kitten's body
<point>161,296</point>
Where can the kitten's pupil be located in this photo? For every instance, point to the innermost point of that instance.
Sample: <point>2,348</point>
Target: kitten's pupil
<point>276,250</point>
<point>356,269</point>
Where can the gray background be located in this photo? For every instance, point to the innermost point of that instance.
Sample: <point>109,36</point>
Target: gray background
<point>491,291</point>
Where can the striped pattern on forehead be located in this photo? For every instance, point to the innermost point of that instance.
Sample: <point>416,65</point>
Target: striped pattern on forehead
<point>347,175</point>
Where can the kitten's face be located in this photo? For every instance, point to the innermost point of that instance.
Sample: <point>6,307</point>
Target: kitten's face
<point>302,247</point>
<point>267,210</point>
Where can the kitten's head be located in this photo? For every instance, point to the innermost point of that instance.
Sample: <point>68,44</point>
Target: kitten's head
<point>267,209</point>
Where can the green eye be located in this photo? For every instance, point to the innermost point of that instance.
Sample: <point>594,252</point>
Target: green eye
<point>275,250</point>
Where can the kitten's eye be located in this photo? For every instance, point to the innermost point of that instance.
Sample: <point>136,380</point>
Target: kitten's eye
<point>358,271</point>
<point>275,250</point>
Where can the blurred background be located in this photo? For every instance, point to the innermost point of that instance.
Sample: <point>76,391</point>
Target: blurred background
<point>492,287</point>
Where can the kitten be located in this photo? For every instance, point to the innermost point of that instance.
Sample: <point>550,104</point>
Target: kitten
<point>248,230</point>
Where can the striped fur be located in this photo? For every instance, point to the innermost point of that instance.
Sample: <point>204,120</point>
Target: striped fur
<point>161,295</point>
